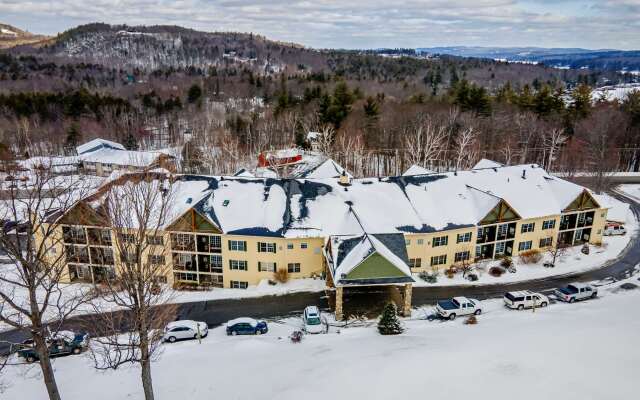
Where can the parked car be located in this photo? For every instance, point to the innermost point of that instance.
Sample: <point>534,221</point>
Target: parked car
<point>184,329</point>
<point>525,299</point>
<point>576,291</point>
<point>62,344</point>
<point>458,306</point>
<point>246,326</point>
<point>612,230</point>
<point>312,320</point>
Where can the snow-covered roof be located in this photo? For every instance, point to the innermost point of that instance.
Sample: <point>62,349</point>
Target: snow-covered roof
<point>317,169</point>
<point>618,211</point>
<point>97,144</point>
<point>121,157</point>
<point>243,173</point>
<point>348,252</point>
<point>417,170</point>
<point>485,163</point>
<point>405,204</point>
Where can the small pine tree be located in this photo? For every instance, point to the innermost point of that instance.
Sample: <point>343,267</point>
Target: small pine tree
<point>389,324</point>
<point>73,137</point>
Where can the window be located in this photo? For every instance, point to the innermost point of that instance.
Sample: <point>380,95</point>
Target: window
<point>293,267</point>
<point>184,259</point>
<point>182,241</point>
<point>502,230</point>
<point>239,265</point>
<point>183,276</point>
<point>480,232</point>
<point>264,266</point>
<point>464,237</point>
<point>407,242</point>
<point>524,245</point>
<point>462,256</point>
<point>266,247</point>
<point>128,257</point>
<point>420,241</point>
<point>127,237</point>
<point>500,248</point>
<point>289,246</point>
<point>440,241</point>
<point>415,262</point>
<point>529,227</point>
<point>154,240</point>
<point>156,259</point>
<point>439,260</point>
<point>237,245</point>
<point>546,242</point>
<point>216,263</point>
<point>239,285</point>
<point>215,242</point>
<point>549,224</point>
<point>302,246</point>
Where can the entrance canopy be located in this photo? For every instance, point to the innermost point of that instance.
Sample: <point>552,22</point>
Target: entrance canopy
<point>368,259</point>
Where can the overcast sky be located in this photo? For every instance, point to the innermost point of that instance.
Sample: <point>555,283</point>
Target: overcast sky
<point>360,23</point>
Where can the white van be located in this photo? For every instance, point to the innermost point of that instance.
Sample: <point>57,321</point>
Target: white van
<point>525,299</point>
<point>611,230</point>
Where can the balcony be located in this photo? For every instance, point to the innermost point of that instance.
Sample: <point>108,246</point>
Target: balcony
<point>182,242</point>
<point>73,235</point>
<point>99,237</point>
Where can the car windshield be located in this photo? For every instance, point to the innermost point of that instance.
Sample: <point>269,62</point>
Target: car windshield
<point>313,321</point>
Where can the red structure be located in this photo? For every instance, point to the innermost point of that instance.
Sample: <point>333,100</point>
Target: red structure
<point>279,157</point>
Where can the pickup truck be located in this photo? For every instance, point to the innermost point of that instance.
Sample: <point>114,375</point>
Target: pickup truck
<point>457,306</point>
<point>63,344</point>
<point>576,291</point>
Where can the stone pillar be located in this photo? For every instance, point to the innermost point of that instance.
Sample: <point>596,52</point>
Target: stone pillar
<point>406,310</point>
<point>339,303</point>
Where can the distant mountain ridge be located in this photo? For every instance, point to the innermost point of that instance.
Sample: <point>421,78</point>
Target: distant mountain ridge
<point>577,58</point>
<point>152,47</point>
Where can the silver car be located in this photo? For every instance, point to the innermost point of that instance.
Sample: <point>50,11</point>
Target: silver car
<point>185,329</point>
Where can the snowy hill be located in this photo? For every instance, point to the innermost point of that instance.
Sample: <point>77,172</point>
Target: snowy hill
<point>11,36</point>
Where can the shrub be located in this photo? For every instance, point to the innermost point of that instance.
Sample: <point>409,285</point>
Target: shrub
<point>450,272</point>
<point>496,271</point>
<point>530,257</point>
<point>281,275</point>
<point>429,277</point>
<point>472,320</point>
<point>389,324</point>
<point>506,262</point>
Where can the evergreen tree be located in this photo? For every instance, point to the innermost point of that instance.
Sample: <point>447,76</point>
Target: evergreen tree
<point>194,93</point>
<point>130,142</point>
<point>389,324</point>
<point>73,137</point>
<point>581,97</point>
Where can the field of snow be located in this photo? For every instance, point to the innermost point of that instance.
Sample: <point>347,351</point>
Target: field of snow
<point>580,351</point>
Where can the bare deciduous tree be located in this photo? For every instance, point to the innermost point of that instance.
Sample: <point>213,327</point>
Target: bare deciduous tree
<point>31,297</point>
<point>553,141</point>
<point>135,209</point>
<point>466,149</point>
<point>425,142</point>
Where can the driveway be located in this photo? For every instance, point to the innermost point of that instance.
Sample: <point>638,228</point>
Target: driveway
<point>216,312</point>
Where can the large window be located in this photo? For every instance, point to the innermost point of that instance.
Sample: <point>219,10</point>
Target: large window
<point>440,241</point>
<point>183,241</point>
<point>463,237</point>
<point>528,227</point>
<point>462,256</point>
<point>415,262</point>
<point>522,246</point>
<point>293,267</point>
<point>239,285</point>
<point>500,246</point>
<point>239,265</point>
<point>549,224</point>
<point>237,245</point>
<point>74,234</point>
<point>546,242</point>
<point>439,260</point>
<point>266,266</point>
<point>264,247</point>
<point>502,230</point>
<point>127,238</point>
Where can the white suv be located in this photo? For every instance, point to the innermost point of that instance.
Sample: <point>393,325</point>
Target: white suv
<point>312,321</point>
<point>185,329</point>
<point>611,230</point>
<point>525,299</point>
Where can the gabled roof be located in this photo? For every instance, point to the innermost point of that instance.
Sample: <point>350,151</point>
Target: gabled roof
<point>417,170</point>
<point>318,167</point>
<point>486,163</point>
<point>97,144</point>
<point>351,262</point>
<point>109,155</point>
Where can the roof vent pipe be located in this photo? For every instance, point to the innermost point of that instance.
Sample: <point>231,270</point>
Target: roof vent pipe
<point>524,174</point>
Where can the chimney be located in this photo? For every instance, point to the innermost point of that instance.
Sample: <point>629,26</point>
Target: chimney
<point>344,179</point>
<point>524,174</point>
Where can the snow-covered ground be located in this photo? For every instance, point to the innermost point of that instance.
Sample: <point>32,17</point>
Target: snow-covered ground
<point>585,350</point>
<point>631,190</point>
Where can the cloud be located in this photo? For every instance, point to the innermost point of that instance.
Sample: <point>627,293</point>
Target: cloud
<point>360,23</point>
